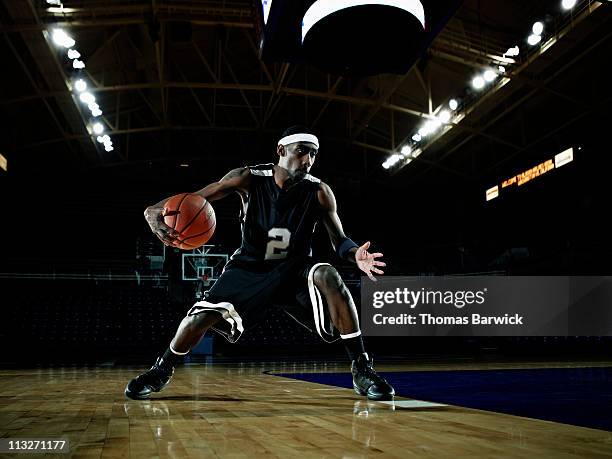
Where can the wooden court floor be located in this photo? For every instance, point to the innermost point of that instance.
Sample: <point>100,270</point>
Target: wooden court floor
<point>238,411</point>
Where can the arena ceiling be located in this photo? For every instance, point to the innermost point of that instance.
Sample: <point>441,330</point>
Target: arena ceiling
<point>175,94</point>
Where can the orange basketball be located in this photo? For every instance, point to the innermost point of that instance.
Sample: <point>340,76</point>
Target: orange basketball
<point>193,217</point>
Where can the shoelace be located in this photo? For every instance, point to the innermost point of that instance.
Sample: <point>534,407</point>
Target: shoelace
<point>157,374</point>
<point>371,372</point>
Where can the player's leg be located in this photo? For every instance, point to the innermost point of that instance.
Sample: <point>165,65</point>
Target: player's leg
<point>190,331</point>
<point>226,304</point>
<point>202,316</point>
<point>343,314</point>
<point>339,301</point>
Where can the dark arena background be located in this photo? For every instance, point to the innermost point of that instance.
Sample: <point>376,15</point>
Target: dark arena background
<point>475,141</point>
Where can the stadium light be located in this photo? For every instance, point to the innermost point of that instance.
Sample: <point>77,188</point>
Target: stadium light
<point>489,75</point>
<point>80,85</point>
<point>478,82</point>
<point>98,128</point>
<point>87,97</point>
<point>453,104</point>
<point>514,51</point>
<point>61,38</point>
<point>534,39</point>
<point>537,28</point>
<point>417,137</point>
<point>568,4</point>
<point>444,116</point>
<point>406,150</point>
<point>73,54</point>
<point>77,64</point>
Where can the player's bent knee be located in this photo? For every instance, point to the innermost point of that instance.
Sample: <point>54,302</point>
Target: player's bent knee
<point>326,277</point>
<point>203,320</point>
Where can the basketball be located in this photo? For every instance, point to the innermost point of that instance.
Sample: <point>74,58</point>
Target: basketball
<point>193,217</point>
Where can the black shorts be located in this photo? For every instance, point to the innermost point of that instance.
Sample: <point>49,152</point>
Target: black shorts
<point>246,292</point>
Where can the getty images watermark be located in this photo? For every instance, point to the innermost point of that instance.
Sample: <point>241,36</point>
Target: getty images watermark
<point>487,306</point>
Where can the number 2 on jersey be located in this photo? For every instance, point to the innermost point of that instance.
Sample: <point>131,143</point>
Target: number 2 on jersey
<point>278,246</point>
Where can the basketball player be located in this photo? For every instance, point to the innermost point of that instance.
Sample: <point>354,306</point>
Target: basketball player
<point>282,203</point>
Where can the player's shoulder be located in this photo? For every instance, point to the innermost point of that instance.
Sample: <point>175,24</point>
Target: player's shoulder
<point>262,169</point>
<point>324,187</point>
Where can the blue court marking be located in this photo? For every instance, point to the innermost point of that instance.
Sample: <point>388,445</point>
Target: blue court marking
<point>577,396</point>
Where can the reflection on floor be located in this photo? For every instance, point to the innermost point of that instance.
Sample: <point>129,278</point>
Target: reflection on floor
<point>241,410</point>
<point>578,396</point>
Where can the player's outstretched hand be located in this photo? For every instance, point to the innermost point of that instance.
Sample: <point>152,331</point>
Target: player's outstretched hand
<point>368,262</point>
<point>155,219</point>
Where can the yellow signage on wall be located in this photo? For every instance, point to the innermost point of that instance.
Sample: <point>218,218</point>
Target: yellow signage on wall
<point>530,174</point>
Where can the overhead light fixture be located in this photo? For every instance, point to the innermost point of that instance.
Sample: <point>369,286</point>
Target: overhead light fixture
<point>77,64</point>
<point>61,10</point>
<point>95,109</point>
<point>386,165</point>
<point>537,28</point>
<point>453,104</point>
<point>98,128</point>
<point>489,75</point>
<point>61,38</point>
<point>478,82</point>
<point>429,127</point>
<point>80,85</point>
<point>73,54</point>
<point>417,137</point>
<point>568,4</point>
<point>534,39</point>
<point>87,97</point>
<point>514,51</point>
<point>444,116</point>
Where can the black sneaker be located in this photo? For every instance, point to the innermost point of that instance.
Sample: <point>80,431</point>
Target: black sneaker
<point>367,382</point>
<point>153,380</point>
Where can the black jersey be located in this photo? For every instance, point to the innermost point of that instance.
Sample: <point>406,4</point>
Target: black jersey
<point>277,223</point>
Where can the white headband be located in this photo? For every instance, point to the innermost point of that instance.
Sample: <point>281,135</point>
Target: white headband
<point>299,138</point>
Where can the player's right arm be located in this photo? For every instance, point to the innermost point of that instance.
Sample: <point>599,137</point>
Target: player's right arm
<point>235,180</point>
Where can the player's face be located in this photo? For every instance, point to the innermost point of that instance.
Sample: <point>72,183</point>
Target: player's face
<point>301,156</point>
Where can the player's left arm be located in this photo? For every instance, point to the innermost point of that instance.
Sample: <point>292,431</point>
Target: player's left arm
<point>348,250</point>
